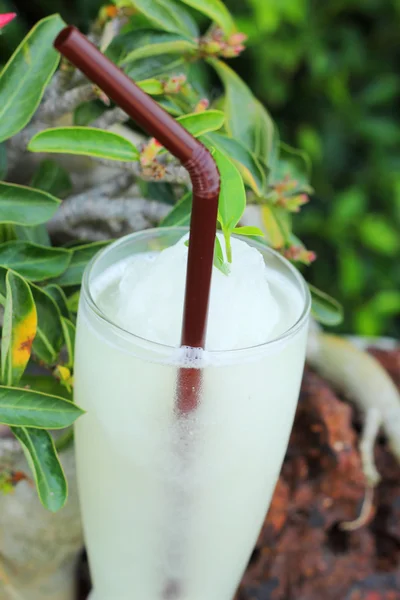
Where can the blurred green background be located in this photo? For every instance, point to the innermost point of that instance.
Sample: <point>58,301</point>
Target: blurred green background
<point>329,72</point>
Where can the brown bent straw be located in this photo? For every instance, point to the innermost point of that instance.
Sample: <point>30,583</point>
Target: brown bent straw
<point>203,173</point>
<point>206,184</point>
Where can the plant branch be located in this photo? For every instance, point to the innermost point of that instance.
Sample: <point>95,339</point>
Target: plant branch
<point>57,106</point>
<point>171,173</point>
<point>110,118</point>
<point>96,215</point>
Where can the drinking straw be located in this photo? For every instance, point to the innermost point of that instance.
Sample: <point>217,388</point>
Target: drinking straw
<point>196,159</point>
<point>204,175</point>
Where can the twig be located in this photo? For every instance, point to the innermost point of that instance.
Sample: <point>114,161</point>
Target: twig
<point>173,173</point>
<point>16,146</point>
<point>365,513</point>
<point>111,30</point>
<point>110,118</point>
<point>55,107</point>
<point>90,217</point>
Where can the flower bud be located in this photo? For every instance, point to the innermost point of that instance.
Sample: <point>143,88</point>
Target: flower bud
<point>6,18</point>
<point>202,105</point>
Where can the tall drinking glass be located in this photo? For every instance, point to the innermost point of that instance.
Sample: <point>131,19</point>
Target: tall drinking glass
<point>173,503</point>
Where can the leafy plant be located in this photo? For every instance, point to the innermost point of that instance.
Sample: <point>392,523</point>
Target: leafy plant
<point>39,283</point>
<point>329,71</point>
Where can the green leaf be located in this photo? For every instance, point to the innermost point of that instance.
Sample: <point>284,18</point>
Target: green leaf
<point>35,235</point>
<point>69,332</point>
<point>52,178</point>
<point>219,260</point>
<point>3,161</point>
<point>266,137</point>
<point>84,141</point>
<point>278,225</point>
<point>200,123</point>
<point>248,230</point>
<point>19,329</point>
<point>22,205</point>
<point>145,43</point>
<point>46,384</point>
<point>381,90</point>
<point>42,458</point>
<point>161,13</point>
<point>73,301</point>
<point>34,262</point>
<point>169,104</point>
<point>164,66</point>
<point>216,11</point>
<point>180,214</point>
<point>30,408</point>
<point>59,298</point>
<point>87,112</point>
<point>49,336</point>
<point>153,87</point>
<point>379,235</point>
<point>246,162</point>
<point>324,308</point>
<point>26,75</point>
<point>292,164</point>
<point>240,106</point>
<point>81,256</point>
<point>232,196</point>
<point>184,17</point>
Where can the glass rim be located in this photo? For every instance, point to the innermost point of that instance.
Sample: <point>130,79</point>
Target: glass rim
<point>287,334</point>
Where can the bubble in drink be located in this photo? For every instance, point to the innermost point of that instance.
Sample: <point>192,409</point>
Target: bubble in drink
<point>174,501</point>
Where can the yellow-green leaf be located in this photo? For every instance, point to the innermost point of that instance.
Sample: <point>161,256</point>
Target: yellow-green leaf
<point>153,87</point>
<point>86,141</point>
<point>26,75</point>
<point>19,328</point>
<point>200,123</point>
<point>274,233</point>
<point>49,337</point>
<point>249,230</point>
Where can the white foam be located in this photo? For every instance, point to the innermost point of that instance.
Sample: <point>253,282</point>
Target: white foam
<point>148,300</point>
